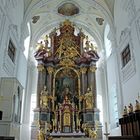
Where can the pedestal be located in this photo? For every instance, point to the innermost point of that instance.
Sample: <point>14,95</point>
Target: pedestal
<point>91,117</point>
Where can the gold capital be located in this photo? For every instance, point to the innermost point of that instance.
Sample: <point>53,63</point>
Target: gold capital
<point>40,67</point>
<point>83,70</point>
<point>50,70</point>
<point>93,68</point>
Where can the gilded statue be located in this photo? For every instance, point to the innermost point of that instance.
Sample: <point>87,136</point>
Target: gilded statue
<point>67,95</point>
<point>44,98</point>
<point>92,47</point>
<point>40,46</point>
<point>67,118</point>
<point>88,97</point>
<point>46,41</point>
<point>137,106</point>
<point>40,135</point>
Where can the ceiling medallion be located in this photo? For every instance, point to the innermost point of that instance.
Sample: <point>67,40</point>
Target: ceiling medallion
<point>68,9</point>
<point>100,21</point>
<point>35,19</point>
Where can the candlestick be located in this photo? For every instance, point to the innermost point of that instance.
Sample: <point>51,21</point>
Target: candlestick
<point>106,131</point>
<point>106,127</point>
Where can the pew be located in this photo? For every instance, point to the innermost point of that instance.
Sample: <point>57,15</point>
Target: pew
<point>124,138</point>
<point>6,138</point>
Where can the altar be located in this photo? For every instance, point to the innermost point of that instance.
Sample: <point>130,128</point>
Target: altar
<point>66,88</point>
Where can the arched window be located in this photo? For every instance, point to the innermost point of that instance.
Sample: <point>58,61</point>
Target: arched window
<point>107,42</point>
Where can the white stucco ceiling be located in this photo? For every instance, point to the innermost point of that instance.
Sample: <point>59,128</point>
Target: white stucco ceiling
<point>49,17</point>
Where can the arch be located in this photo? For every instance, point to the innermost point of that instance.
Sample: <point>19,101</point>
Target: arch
<point>79,87</point>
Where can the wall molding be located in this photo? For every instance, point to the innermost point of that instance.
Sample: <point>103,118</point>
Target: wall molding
<point>2,23</point>
<point>130,68</point>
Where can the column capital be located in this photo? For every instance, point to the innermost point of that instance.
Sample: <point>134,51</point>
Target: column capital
<point>83,70</point>
<point>50,70</point>
<point>40,68</point>
<point>93,68</point>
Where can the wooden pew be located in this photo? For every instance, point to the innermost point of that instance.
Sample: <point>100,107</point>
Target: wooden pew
<point>124,138</point>
<point>7,138</point>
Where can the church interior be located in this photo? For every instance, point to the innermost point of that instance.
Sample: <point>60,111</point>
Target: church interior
<point>69,70</point>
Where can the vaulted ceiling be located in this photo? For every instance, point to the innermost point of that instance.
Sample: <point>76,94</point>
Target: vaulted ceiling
<point>90,15</point>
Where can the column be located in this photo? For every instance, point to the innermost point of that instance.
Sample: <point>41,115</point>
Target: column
<point>52,36</point>
<point>73,121</point>
<point>92,83</point>
<point>49,86</point>
<point>83,70</point>
<point>82,36</point>
<point>41,82</point>
<point>50,71</point>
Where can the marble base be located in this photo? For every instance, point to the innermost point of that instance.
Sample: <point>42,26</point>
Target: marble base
<point>58,134</point>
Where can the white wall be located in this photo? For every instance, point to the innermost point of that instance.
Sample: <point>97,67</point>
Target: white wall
<point>127,31</point>
<point>126,79</point>
<point>11,21</point>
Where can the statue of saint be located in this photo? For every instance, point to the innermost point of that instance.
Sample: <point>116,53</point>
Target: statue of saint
<point>40,50</point>
<point>40,46</point>
<point>125,111</point>
<point>130,108</point>
<point>88,97</point>
<point>40,135</point>
<point>137,106</point>
<point>67,95</point>
<point>44,98</point>
<point>46,41</point>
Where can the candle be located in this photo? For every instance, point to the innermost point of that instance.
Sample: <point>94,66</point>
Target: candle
<point>106,129</point>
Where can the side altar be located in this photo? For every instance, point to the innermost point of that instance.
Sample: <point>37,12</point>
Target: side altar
<point>66,89</point>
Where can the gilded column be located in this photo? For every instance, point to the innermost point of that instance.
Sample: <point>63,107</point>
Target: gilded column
<point>92,83</point>
<point>41,82</point>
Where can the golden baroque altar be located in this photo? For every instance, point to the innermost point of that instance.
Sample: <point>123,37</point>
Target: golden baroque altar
<point>66,89</point>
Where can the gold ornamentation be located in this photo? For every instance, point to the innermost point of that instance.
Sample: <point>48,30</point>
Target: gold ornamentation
<point>50,70</point>
<point>40,68</point>
<point>67,62</point>
<point>41,135</point>
<point>67,48</point>
<point>88,97</point>
<point>67,23</point>
<point>93,68</point>
<point>40,47</point>
<point>44,98</point>
<point>67,119</point>
<point>83,70</point>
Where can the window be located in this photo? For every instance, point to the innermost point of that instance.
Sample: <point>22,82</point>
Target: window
<point>11,50</point>
<point>126,55</point>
